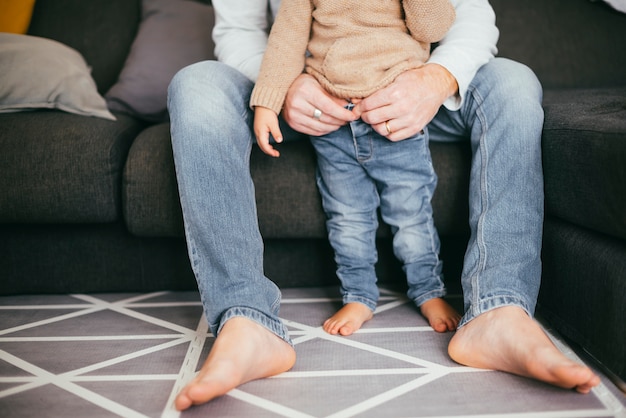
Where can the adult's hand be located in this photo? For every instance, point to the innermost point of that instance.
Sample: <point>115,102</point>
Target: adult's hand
<point>305,95</point>
<point>406,106</point>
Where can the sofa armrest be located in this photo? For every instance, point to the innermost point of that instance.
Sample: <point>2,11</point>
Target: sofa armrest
<point>584,150</point>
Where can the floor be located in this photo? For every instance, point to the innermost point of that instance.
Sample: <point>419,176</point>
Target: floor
<point>107,355</point>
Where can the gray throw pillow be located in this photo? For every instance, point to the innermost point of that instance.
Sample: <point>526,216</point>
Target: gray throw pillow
<point>619,5</point>
<point>40,73</point>
<point>172,35</point>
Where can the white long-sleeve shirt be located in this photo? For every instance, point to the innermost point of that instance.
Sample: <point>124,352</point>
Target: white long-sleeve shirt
<point>242,27</point>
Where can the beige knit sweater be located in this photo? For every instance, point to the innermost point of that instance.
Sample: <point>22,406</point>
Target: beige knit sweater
<point>352,47</point>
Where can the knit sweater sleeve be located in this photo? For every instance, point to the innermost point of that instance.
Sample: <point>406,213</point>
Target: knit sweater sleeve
<point>428,20</point>
<point>285,54</point>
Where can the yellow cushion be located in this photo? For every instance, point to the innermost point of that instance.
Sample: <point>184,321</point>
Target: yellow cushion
<point>15,15</point>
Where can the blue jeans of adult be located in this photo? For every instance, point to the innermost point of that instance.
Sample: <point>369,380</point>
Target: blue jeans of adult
<point>358,171</point>
<point>502,118</point>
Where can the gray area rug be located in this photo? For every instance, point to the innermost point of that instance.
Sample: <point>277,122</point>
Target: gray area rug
<point>127,355</point>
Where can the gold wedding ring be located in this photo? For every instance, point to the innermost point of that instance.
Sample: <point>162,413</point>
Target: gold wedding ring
<point>389,131</point>
<point>317,114</point>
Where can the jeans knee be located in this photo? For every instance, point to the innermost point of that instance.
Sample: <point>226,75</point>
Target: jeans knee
<point>208,85</point>
<point>189,83</point>
<point>509,92</point>
<point>180,81</point>
<point>507,78</point>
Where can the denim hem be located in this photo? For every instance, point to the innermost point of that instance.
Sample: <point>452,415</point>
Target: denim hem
<point>371,304</point>
<point>438,293</point>
<point>492,303</point>
<point>273,325</point>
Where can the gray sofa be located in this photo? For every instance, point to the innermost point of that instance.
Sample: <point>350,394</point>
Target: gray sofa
<point>90,205</point>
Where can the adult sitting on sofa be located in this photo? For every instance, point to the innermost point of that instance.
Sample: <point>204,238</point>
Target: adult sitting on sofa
<point>460,93</point>
<point>91,205</point>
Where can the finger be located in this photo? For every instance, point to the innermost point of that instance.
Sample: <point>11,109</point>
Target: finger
<point>400,135</point>
<point>373,102</point>
<point>304,96</point>
<point>276,133</point>
<point>398,132</point>
<point>269,150</point>
<point>385,129</point>
<point>263,141</point>
<point>315,128</point>
<point>377,115</point>
<point>325,122</point>
<point>333,111</point>
<point>305,122</point>
<point>356,112</point>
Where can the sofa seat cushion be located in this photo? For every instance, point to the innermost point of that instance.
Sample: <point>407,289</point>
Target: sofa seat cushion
<point>584,147</point>
<point>288,202</point>
<point>149,188</point>
<point>59,167</point>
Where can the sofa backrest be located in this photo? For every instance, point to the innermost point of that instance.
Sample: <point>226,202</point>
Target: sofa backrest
<point>568,43</point>
<point>101,30</point>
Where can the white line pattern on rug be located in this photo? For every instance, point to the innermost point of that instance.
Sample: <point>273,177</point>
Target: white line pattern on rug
<point>33,376</point>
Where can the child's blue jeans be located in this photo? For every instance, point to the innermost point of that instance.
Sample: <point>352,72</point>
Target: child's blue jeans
<point>360,171</point>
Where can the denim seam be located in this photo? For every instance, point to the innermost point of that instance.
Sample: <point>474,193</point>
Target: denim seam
<point>482,251</point>
<point>431,226</point>
<point>355,140</point>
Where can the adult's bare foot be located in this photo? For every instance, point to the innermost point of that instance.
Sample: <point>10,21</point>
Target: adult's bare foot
<point>243,351</point>
<point>507,339</point>
<point>440,315</point>
<point>348,319</point>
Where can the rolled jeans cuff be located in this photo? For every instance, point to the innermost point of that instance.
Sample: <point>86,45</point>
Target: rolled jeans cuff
<point>371,304</point>
<point>493,303</point>
<point>437,293</point>
<point>275,326</point>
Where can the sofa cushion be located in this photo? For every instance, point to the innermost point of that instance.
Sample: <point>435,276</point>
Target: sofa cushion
<point>616,4</point>
<point>101,30</point>
<point>172,35</point>
<point>288,202</point>
<point>59,167</point>
<point>149,188</point>
<point>567,45</point>
<point>584,148</point>
<point>43,73</point>
<point>89,258</point>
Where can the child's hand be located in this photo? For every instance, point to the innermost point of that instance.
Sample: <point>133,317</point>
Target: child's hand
<point>266,123</point>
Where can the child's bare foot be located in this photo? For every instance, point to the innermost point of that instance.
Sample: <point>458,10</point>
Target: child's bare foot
<point>348,319</point>
<point>243,351</point>
<point>440,315</point>
<point>509,340</point>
